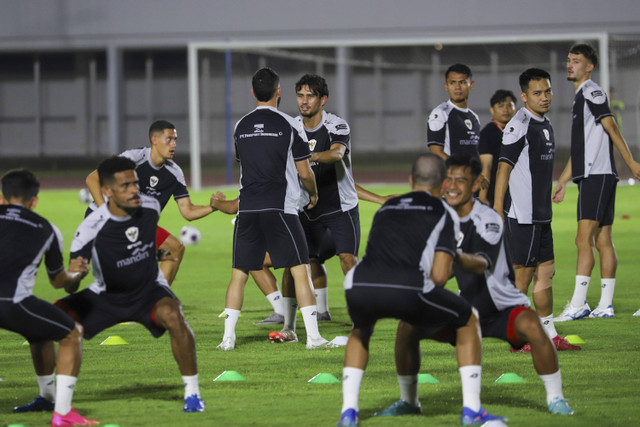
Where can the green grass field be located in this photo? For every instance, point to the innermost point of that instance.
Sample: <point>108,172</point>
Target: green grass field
<point>139,384</point>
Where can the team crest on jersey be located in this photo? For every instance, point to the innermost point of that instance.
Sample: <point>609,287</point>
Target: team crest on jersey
<point>312,144</point>
<point>132,233</point>
<point>153,181</point>
<point>468,123</point>
<point>258,128</point>
<point>459,239</point>
<point>546,133</point>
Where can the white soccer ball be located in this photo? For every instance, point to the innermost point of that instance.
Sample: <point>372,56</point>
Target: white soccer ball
<point>631,181</point>
<point>85,196</point>
<point>189,235</point>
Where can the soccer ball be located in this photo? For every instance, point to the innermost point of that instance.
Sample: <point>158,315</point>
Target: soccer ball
<point>189,235</point>
<point>85,196</point>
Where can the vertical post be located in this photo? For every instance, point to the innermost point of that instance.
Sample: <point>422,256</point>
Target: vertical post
<point>93,121</point>
<point>114,82</point>
<point>148,82</point>
<point>37,90</point>
<point>605,76</point>
<point>342,76</point>
<point>229,125</point>
<point>378,105</point>
<point>194,117</point>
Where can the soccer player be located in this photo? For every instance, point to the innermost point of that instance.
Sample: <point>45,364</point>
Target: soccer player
<point>592,167</point>
<point>408,258</point>
<point>25,239</point>
<point>502,108</point>
<point>453,127</point>
<point>120,239</point>
<point>160,177</point>
<point>274,157</point>
<point>485,279</point>
<point>526,167</point>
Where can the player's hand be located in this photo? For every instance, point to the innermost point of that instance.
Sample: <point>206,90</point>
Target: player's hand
<point>558,193</point>
<point>484,182</point>
<point>79,267</point>
<point>313,201</point>
<point>216,197</point>
<point>635,169</point>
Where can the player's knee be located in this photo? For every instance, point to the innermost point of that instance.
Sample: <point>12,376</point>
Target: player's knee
<point>544,277</point>
<point>170,315</point>
<point>528,326</point>
<point>348,261</point>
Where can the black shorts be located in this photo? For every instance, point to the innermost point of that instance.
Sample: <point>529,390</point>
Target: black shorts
<point>35,319</point>
<point>529,244</point>
<point>97,312</point>
<point>278,233</point>
<point>328,235</point>
<point>597,198</point>
<point>502,325</point>
<point>439,308</point>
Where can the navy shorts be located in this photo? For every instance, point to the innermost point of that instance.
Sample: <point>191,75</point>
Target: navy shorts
<point>439,308</point>
<point>597,198</point>
<point>275,232</point>
<point>97,312</point>
<point>333,234</point>
<point>529,244</point>
<point>35,319</point>
<point>501,325</point>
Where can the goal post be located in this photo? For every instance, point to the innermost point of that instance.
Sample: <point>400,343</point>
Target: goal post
<point>299,51</point>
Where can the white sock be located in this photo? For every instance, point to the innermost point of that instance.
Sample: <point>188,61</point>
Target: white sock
<point>275,298</point>
<point>580,291</point>
<point>409,389</point>
<point>322,300</point>
<point>549,327</point>
<point>191,385</point>
<point>471,377</point>
<point>290,312</point>
<point>47,385</point>
<point>310,317</point>
<point>351,380</point>
<point>65,384</point>
<point>230,321</point>
<point>553,385</point>
<point>606,297</point>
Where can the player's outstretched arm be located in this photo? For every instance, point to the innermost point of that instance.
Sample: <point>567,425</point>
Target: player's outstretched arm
<point>70,279</point>
<point>487,162</point>
<point>368,196</point>
<point>440,272</point>
<point>502,182</point>
<point>561,186</point>
<point>219,202</point>
<point>189,211</point>
<point>308,179</point>
<point>476,264</point>
<point>93,184</point>
<point>332,155</point>
<point>612,129</point>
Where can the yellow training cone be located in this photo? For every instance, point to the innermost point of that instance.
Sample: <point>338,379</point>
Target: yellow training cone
<point>114,340</point>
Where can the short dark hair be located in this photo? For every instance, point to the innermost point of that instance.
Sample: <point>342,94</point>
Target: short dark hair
<point>20,184</point>
<point>501,95</point>
<point>428,170</point>
<point>465,161</point>
<point>587,50</point>
<point>159,126</point>
<point>265,82</point>
<point>532,74</point>
<point>316,83</point>
<point>458,68</point>
<point>112,165</point>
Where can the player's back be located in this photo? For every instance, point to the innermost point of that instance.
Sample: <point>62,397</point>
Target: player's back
<point>267,147</point>
<point>24,238</point>
<point>406,232</point>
